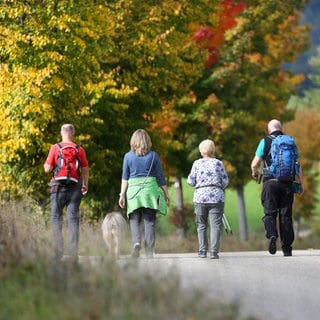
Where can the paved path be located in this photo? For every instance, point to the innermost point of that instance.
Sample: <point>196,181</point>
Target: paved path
<point>265,286</point>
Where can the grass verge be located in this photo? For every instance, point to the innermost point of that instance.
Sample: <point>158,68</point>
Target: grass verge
<point>35,286</point>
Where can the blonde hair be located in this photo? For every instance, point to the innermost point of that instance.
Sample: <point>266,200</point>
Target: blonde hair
<point>140,142</point>
<point>207,148</point>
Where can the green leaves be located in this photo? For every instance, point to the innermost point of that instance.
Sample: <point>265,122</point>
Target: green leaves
<point>105,67</point>
<point>51,69</point>
<point>112,67</point>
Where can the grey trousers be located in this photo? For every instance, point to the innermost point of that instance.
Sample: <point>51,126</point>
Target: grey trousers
<point>71,200</point>
<point>149,218</point>
<point>212,212</point>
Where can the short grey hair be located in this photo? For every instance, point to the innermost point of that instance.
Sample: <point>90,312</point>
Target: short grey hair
<point>207,148</point>
<point>67,128</point>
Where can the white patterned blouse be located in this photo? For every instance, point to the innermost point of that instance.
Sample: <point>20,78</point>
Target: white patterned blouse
<point>209,178</point>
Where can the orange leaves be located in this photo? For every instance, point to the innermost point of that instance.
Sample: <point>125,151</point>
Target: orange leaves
<point>212,38</point>
<point>254,58</point>
<point>167,120</point>
<point>212,99</point>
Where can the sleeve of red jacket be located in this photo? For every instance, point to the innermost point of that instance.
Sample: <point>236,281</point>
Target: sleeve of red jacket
<point>83,158</point>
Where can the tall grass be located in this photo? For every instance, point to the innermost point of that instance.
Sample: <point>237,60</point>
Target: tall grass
<point>35,286</point>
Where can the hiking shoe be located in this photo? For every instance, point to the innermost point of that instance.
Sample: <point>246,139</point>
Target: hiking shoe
<point>214,255</point>
<point>136,251</point>
<point>287,253</point>
<point>202,254</point>
<point>272,245</point>
<point>149,255</point>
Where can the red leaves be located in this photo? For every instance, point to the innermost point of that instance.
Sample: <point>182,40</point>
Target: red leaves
<point>229,13</point>
<point>203,34</point>
<point>212,38</point>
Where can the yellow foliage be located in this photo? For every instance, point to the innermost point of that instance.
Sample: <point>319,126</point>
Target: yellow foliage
<point>57,82</point>
<point>84,111</point>
<point>254,58</point>
<point>286,43</point>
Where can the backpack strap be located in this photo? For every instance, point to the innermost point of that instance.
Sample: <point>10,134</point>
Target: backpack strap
<point>267,149</point>
<point>59,160</point>
<point>61,147</point>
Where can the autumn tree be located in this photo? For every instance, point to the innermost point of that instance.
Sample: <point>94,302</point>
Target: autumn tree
<point>252,88</point>
<point>51,73</point>
<point>104,66</point>
<point>154,54</point>
<point>175,121</point>
<point>243,86</point>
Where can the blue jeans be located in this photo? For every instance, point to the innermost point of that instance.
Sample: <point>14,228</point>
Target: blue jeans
<point>213,212</point>
<point>71,199</point>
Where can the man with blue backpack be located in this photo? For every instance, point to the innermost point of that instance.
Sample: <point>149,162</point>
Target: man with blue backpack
<point>282,178</point>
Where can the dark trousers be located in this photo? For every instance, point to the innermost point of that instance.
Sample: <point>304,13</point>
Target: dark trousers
<point>70,199</point>
<point>277,199</point>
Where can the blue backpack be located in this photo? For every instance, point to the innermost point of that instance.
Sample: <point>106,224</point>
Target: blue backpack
<point>284,154</point>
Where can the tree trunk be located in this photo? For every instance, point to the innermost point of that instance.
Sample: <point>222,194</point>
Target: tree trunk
<point>296,226</point>
<point>179,205</point>
<point>243,224</point>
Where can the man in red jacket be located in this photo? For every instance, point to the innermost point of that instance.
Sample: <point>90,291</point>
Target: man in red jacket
<point>68,184</point>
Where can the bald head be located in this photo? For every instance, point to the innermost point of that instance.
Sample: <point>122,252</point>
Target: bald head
<point>274,125</point>
<point>67,132</point>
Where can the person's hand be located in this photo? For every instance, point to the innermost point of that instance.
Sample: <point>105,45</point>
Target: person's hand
<point>122,201</point>
<point>301,191</point>
<point>255,175</point>
<point>167,199</point>
<point>84,189</point>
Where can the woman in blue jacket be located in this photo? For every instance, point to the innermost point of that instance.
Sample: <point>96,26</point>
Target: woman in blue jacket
<point>144,190</point>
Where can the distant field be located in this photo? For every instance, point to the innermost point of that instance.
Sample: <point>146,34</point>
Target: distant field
<point>252,200</point>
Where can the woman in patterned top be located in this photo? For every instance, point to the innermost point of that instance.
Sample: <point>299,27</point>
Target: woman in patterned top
<point>210,179</point>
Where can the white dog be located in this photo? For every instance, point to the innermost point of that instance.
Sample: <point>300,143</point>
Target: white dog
<point>113,228</point>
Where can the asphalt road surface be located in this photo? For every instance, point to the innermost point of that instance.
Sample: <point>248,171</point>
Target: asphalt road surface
<point>265,286</point>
